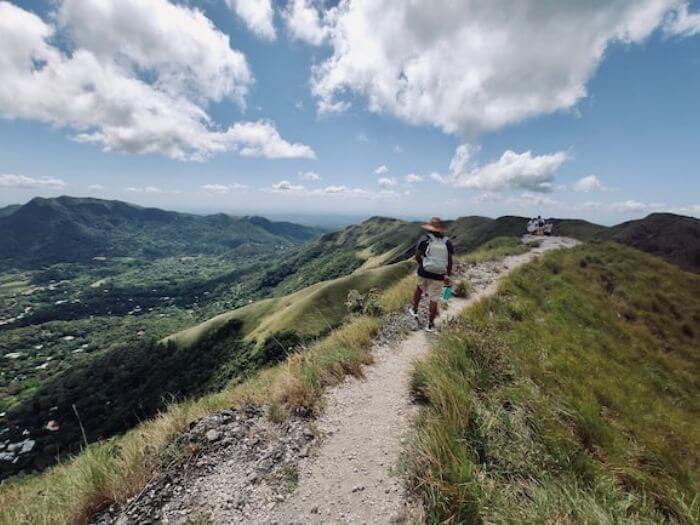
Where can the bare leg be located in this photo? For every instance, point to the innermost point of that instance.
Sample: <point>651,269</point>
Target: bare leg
<point>433,313</point>
<point>416,298</point>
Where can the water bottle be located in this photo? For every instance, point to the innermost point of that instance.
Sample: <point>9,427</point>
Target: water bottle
<point>447,292</point>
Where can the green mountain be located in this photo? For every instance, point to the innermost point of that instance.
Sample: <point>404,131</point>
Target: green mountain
<point>383,240</point>
<point>68,229</point>
<point>9,210</point>
<point>674,238</point>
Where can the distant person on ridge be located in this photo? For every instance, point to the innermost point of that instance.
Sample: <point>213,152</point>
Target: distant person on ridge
<point>434,256</point>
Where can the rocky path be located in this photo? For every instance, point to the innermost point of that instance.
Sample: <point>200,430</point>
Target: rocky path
<point>343,471</point>
<point>351,478</point>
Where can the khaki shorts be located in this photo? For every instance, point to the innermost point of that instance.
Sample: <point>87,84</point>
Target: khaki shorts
<point>431,287</point>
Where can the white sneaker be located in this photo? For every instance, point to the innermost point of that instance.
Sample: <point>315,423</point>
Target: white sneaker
<point>430,328</point>
<point>413,313</point>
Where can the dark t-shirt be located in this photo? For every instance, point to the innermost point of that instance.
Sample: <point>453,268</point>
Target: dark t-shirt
<point>420,248</point>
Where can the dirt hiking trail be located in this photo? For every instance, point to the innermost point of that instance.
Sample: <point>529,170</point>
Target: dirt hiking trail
<point>346,467</point>
<point>350,478</point>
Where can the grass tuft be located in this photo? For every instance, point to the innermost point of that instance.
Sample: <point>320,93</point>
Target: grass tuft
<point>399,294</point>
<point>306,375</point>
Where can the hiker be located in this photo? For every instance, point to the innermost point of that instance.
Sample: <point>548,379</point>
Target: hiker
<point>434,256</point>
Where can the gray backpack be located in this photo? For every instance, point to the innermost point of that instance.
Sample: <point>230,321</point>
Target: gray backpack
<point>436,255</point>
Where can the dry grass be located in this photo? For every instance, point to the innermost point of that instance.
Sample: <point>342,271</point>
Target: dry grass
<point>307,374</point>
<point>114,470</point>
<point>109,471</point>
<point>399,294</point>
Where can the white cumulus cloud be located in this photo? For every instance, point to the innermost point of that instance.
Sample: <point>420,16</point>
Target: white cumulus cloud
<point>381,170</point>
<point>588,184</point>
<point>181,46</point>
<point>96,187</point>
<point>512,171</point>
<point>257,15</point>
<point>387,182</point>
<point>298,190</point>
<point>137,78</point>
<point>682,22</point>
<point>285,186</point>
<point>9,180</point>
<point>473,65</point>
<point>223,189</point>
<point>412,178</point>
<point>146,189</point>
<point>309,175</point>
<point>261,139</point>
<point>304,22</point>
<point>463,155</point>
<point>691,209</point>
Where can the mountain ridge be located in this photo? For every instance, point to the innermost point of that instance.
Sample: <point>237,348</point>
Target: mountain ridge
<point>68,229</point>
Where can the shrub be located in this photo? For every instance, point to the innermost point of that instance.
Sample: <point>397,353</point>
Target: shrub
<point>372,306</point>
<point>368,304</point>
<point>463,289</point>
<point>355,302</point>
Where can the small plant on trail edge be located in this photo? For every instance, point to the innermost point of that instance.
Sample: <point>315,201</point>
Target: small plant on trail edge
<point>276,412</point>
<point>355,302</point>
<point>368,304</point>
<point>462,289</point>
<point>373,305</point>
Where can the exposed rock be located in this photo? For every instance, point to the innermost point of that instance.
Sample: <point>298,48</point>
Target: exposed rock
<point>213,435</point>
<point>242,464</point>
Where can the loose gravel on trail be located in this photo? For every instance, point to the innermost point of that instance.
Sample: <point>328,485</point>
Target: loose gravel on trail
<point>340,469</point>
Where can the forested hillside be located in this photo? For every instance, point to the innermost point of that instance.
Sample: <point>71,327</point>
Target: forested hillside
<point>68,229</point>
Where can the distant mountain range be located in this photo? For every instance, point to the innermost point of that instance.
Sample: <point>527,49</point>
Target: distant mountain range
<point>675,238</point>
<point>69,229</point>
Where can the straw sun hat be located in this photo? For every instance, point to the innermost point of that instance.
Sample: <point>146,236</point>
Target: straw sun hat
<point>435,225</point>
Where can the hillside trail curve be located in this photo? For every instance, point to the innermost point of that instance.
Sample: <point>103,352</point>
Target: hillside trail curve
<point>352,477</point>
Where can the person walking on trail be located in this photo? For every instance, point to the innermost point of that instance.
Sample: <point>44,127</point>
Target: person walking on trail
<point>434,255</point>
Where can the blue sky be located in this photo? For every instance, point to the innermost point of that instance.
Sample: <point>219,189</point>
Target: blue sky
<point>306,107</point>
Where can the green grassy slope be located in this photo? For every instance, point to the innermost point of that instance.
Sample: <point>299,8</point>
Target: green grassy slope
<point>308,312</point>
<point>369,244</point>
<point>570,396</point>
